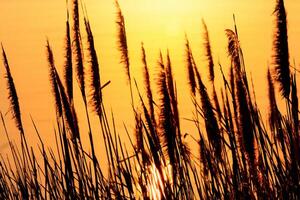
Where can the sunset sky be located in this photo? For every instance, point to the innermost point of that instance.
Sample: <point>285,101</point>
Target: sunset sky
<point>161,25</point>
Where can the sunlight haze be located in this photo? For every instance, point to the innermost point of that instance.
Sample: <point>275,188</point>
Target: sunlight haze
<point>160,25</point>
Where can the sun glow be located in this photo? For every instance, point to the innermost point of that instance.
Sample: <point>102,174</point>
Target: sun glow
<point>156,182</point>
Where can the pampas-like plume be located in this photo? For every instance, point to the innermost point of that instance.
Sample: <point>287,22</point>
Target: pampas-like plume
<point>77,48</point>
<point>211,124</point>
<point>96,95</point>
<point>189,64</point>
<point>169,77</point>
<point>208,53</point>
<point>68,71</point>
<point>53,82</point>
<point>122,40</point>
<point>172,92</point>
<point>147,84</point>
<point>12,94</point>
<point>167,130</point>
<point>209,57</point>
<point>281,50</point>
<point>233,49</point>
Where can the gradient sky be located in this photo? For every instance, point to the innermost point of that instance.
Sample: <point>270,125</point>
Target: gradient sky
<point>161,25</point>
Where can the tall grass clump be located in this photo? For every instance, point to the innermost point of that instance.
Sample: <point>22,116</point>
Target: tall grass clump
<point>234,152</point>
<point>281,50</point>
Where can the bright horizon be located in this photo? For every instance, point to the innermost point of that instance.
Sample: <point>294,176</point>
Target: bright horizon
<point>25,26</point>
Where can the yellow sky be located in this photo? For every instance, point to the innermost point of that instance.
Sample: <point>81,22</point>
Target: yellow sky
<point>25,25</point>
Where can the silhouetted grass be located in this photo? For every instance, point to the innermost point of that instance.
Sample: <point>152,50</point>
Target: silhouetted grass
<point>239,154</point>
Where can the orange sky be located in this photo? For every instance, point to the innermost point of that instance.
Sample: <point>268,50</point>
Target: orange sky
<point>25,25</point>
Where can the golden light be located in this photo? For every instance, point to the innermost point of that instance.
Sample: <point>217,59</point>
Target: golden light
<point>155,184</point>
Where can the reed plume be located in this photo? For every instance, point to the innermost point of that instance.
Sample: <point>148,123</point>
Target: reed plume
<point>95,93</point>
<point>172,91</point>
<point>95,85</point>
<point>169,77</point>
<point>189,65</point>
<point>122,40</point>
<point>122,46</point>
<point>281,50</point>
<point>53,82</point>
<point>208,53</point>
<point>233,49</point>
<point>147,84</point>
<point>211,77</point>
<point>68,71</point>
<point>12,94</point>
<point>167,131</point>
<point>77,49</point>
